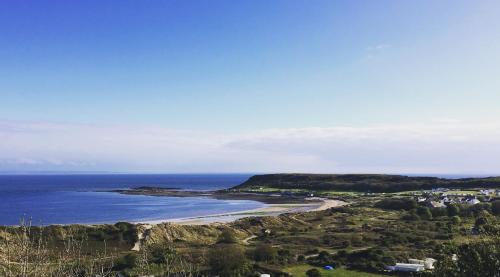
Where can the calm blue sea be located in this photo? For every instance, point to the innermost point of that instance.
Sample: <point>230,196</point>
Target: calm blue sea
<point>66,199</point>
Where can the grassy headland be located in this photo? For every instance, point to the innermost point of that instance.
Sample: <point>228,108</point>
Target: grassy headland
<point>361,182</point>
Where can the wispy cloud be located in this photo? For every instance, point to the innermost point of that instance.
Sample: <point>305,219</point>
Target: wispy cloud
<point>435,147</point>
<point>378,47</point>
<point>373,51</point>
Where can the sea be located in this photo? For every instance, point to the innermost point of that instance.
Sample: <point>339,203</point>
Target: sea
<point>88,198</point>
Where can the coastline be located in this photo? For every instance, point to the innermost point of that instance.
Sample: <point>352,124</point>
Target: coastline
<point>316,204</point>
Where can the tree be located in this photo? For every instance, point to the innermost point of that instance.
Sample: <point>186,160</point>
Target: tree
<point>424,213</point>
<point>265,252</point>
<point>313,273</point>
<point>495,208</point>
<point>437,212</point>
<point>452,210</point>
<point>228,260</point>
<point>480,258</point>
<point>481,221</point>
<point>456,220</point>
<point>411,216</point>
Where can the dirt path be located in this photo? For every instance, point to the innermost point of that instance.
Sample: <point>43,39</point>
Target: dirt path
<point>141,235</point>
<point>245,241</point>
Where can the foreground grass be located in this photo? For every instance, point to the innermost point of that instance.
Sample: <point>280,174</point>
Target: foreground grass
<point>300,271</point>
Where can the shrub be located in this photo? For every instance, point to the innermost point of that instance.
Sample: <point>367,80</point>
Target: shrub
<point>324,256</point>
<point>412,216</point>
<point>127,261</point>
<point>313,273</point>
<point>227,236</point>
<point>481,221</point>
<point>456,220</point>
<point>495,208</point>
<point>264,252</point>
<point>472,259</point>
<point>228,260</point>
<point>397,204</point>
<point>452,210</point>
<point>437,212</point>
<point>356,240</point>
<point>424,213</point>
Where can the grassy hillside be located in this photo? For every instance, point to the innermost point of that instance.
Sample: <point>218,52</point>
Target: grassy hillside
<point>362,182</point>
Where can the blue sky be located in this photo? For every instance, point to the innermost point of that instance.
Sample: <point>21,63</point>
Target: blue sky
<point>209,74</point>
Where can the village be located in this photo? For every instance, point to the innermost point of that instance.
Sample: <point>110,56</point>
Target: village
<point>441,197</point>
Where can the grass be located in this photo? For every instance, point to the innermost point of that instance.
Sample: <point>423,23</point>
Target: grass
<point>340,193</point>
<point>461,192</point>
<point>272,190</point>
<point>300,271</point>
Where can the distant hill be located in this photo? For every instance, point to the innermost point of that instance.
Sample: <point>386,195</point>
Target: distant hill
<point>363,182</point>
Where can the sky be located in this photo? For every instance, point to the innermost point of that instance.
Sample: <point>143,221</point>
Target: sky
<point>250,86</point>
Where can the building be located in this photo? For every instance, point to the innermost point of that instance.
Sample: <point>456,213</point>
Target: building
<point>487,191</point>
<point>428,263</point>
<point>414,265</point>
<point>472,201</point>
<point>409,267</point>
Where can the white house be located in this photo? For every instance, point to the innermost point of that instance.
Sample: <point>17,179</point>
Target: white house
<point>487,191</point>
<point>409,267</point>
<point>473,201</point>
<point>414,265</point>
<point>428,263</point>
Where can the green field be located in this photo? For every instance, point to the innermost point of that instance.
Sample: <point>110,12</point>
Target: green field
<point>300,271</point>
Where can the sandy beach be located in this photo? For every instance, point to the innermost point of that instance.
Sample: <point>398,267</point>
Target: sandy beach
<point>319,204</point>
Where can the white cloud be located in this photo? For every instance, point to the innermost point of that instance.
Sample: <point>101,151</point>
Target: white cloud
<point>444,146</point>
<point>379,47</point>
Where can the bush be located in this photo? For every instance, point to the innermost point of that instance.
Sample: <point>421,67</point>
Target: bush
<point>356,240</point>
<point>228,260</point>
<point>162,253</point>
<point>495,208</point>
<point>481,221</point>
<point>127,261</point>
<point>452,210</point>
<point>264,252</point>
<point>437,212</point>
<point>424,213</point>
<point>412,216</point>
<point>472,259</point>
<point>397,204</point>
<point>227,236</point>
<point>313,273</point>
<point>456,220</point>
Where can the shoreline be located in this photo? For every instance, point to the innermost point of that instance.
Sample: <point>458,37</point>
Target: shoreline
<point>317,204</point>
<point>274,204</point>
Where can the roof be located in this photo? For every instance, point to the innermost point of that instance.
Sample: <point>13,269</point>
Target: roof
<point>408,267</point>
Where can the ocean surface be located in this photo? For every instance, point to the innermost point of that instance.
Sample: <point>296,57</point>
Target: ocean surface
<point>67,199</point>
